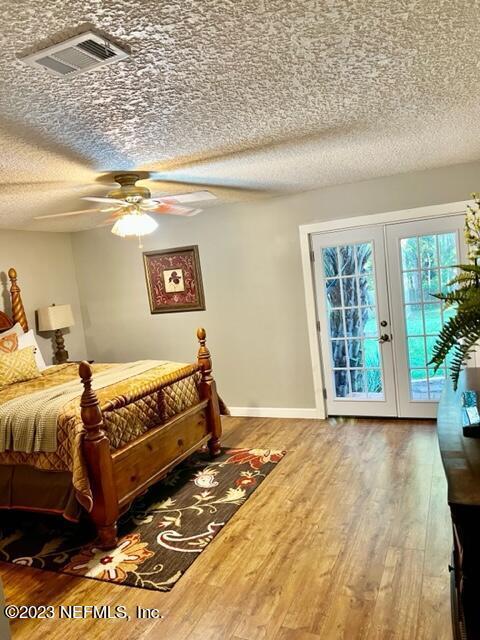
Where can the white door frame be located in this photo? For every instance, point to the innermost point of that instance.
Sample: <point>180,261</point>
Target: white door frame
<point>307,230</point>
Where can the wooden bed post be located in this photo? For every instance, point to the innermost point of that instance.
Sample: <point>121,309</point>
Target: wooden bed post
<point>96,448</point>
<point>208,391</point>
<point>18,312</point>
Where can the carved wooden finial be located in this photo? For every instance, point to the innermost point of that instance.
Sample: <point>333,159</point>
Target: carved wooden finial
<point>85,372</point>
<point>204,360</point>
<point>90,406</point>
<point>89,397</point>
<point>18,312</point>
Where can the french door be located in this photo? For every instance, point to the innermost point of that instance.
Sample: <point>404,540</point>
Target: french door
<point>378,320</point>
<point>354,321</point>
<point>421,261</point>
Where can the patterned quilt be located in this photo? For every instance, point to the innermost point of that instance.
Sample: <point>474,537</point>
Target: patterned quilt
<point>130,408</point>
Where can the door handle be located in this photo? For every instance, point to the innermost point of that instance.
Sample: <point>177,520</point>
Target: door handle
<point>384,338</point>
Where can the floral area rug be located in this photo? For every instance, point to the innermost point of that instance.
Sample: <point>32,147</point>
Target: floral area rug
<point>159,537</point>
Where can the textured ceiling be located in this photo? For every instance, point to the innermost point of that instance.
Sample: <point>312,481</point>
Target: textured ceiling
<point>281,95</point>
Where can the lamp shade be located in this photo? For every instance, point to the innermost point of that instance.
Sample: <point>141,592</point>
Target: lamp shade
<point>55,317</point>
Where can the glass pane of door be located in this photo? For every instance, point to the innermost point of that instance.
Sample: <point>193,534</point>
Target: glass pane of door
<point>427,263</point>
<point>350,293</point>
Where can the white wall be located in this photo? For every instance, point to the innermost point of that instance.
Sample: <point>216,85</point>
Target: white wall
<point>250,256</point>
<point>46,274</point>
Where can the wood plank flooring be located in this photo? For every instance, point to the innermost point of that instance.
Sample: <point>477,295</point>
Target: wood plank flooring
<point>349,538</point>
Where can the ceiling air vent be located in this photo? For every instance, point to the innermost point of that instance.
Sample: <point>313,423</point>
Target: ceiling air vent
<point>76,55</point>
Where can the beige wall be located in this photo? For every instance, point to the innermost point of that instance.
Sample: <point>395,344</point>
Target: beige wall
<point>250,258</point>
<point>46,274</point>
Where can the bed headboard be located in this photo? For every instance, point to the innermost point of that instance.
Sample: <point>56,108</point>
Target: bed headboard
<point>18,311</point>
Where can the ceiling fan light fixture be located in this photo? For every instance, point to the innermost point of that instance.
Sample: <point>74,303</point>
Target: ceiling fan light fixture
<point>134,224</point>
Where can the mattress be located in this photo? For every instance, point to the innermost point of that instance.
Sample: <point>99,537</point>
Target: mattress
<point>130,408</point>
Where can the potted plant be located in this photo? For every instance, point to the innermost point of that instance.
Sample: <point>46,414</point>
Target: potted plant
<point>461,332</point>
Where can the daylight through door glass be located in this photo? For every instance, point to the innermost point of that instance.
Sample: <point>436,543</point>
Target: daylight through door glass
<point>427,267</point>
<point>349,278</point>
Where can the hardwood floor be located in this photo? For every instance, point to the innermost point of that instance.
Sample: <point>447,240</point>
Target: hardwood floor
<point>348,538</point>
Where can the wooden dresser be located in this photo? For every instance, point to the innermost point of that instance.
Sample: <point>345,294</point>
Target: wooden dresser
<point>461,461</point>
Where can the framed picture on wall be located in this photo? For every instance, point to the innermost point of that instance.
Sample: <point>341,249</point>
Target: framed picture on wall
<point>174,280</point>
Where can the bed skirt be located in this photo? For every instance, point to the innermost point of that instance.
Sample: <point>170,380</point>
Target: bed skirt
<point>28,488</point>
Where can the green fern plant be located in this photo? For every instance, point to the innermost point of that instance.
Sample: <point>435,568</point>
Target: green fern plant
<point>461,332</point>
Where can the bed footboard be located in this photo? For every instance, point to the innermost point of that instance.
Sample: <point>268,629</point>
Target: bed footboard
<point>117,478</point>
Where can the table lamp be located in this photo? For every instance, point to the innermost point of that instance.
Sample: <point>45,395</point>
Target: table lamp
<point>55,318</point>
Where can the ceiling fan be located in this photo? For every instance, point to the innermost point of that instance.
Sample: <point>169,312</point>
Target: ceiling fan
<point>131,204</point>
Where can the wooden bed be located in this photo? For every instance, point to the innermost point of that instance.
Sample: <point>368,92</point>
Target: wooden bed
<point>117,477</point>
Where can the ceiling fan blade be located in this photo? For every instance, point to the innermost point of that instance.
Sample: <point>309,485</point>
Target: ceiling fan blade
<point>109,209</point>
<point>106,200</point>
<point>164,208</point>
<point>193,196</point>
<point>65,215</point>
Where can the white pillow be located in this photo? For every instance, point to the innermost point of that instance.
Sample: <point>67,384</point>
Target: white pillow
<point>17,328</point>
<point>28,340</point>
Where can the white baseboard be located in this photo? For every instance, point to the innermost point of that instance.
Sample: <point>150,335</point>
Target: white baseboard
<point>274,412</point>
